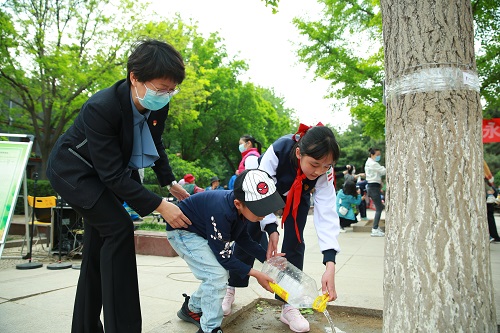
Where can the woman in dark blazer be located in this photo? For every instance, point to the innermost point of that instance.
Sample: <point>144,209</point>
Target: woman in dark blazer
<point>93,166</point>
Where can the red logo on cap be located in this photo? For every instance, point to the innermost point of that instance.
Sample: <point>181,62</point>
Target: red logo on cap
<point>262,188</point>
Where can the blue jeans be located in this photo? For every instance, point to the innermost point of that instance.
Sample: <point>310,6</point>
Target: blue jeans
<point>373,191</point>
<point>201,260</point>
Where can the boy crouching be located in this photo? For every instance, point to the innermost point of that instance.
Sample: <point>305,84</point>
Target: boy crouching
<point>218,218</point>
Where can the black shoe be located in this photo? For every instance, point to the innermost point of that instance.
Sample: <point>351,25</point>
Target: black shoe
<point>187,315</point>
<point>215,330</point>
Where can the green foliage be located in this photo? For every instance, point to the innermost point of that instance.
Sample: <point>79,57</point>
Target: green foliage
<point>87,52</point>
<point>214,107</point>
<point>487,29</point>
<point>57,53</point>
<point>337,52</point>
<point>345,47</point>
<point>354,145</point>
<point>181,167</point>
<point>152,226</point>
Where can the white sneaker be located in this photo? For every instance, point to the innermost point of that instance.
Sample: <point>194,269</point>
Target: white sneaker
<point>228,301</point>
<point>377,233</point>
<point>294,319</point>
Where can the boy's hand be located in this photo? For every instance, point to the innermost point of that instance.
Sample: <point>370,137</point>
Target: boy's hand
<point>262,278</point>
<point>328,281</point>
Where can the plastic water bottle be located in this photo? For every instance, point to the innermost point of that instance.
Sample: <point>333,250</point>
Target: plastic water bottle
<point>293,285</point>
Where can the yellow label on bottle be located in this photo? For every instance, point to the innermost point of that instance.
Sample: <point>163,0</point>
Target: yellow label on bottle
<point>279,291</point>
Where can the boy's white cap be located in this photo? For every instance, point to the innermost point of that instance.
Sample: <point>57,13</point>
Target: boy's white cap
<point>257,190</point>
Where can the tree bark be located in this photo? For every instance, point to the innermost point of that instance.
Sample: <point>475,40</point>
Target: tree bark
<point>437,274</point>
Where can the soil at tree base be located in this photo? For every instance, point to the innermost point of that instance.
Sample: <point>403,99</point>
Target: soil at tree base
<point>263,316</point>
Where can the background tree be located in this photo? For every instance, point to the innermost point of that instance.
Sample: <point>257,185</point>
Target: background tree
<point>354,146</point>
<point>345,47</point>
<point>55,54</point>
<point>215,107</point>
<point>437,274</point>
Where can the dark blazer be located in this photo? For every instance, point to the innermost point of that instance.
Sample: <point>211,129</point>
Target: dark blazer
<point>93,154</point>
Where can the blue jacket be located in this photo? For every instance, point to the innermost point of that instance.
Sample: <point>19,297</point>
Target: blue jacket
<point>347,201</point>
<point>215,218</point>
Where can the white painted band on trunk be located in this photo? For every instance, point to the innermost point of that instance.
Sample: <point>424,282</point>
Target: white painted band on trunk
<point>433,79</point>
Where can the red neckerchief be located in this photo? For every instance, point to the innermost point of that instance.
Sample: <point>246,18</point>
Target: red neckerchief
<point>294,197</point>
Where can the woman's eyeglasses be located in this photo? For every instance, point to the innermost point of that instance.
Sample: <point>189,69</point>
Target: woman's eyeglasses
<point>159,92</point>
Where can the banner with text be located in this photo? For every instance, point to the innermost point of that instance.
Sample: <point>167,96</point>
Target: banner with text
<point>491,130</point>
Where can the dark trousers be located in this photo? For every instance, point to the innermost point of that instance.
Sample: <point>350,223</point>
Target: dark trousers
<point>492,227</point>
<point>260,237</point>
<point>108,275</point>
<point>373,191</point>
<point>346,222</point>
<point>362,208</point>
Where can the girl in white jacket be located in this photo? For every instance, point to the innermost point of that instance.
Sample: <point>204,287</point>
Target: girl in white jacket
<point>374,172</point>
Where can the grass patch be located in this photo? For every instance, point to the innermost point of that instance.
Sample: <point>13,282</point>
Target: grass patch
<point>152,226</point>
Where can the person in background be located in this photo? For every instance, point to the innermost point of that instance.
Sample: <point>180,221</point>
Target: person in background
<point>374,172</point>
<point>361,185</point>
<point>250,150</point>
<point>190,186</point>
<point>214,184</point>
<point>219,218</point>
<point>230,183</point>
<point>491,195</point>
<point>94,167</point>
<point>299,163</point>
<point>348,197</point>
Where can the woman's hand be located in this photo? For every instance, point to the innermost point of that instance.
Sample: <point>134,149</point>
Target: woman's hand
<point>173,215</point>
<point>179,192</point>
<point>328,281</point>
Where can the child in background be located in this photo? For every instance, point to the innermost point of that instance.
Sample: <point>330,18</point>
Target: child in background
<point>250,152</point>
<point>190,186</point>
<point>218,218</point>
<point>348,197</point>
<point>299,163</point>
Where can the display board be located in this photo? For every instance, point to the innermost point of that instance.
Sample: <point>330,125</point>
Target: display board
<point>13,160</point>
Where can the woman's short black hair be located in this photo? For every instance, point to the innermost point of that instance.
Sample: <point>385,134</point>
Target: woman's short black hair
<point>153,59</point>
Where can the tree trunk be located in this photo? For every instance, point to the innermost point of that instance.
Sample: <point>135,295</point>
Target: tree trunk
<point>437,275</point>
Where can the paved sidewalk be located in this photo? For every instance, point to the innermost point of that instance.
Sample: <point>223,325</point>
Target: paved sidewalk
<point>41,300</point>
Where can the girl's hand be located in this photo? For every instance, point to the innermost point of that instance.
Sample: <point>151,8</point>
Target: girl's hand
<point>328,281</point>
<point>272,247</point>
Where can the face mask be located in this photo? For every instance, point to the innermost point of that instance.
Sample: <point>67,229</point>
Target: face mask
<point>354,171</point>
<point>241,147</point>
<point>151,101</point>
<point>377,158</point>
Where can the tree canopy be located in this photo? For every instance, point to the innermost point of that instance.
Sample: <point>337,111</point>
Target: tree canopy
<point>345,48</point>
<point>55,54</point>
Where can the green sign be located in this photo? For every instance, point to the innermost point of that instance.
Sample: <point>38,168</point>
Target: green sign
<point>13,160</point>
